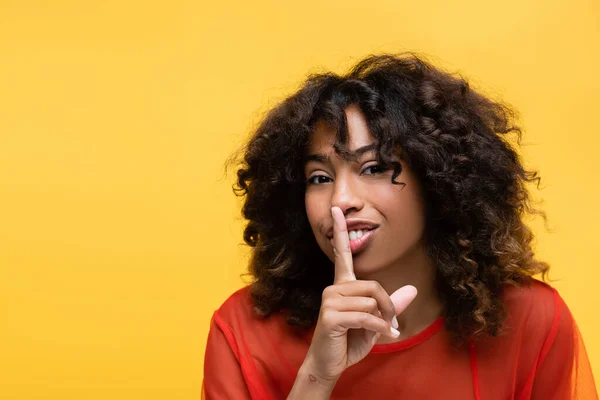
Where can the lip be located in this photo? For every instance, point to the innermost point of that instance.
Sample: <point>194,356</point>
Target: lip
<point>360,243</point>
<point>354,224</point>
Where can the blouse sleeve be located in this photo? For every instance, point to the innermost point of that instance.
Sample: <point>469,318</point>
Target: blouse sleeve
<point>223,378</point>
<point>563,369</point>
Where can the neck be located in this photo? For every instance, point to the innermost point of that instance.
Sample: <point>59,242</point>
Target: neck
<point>418,270</point>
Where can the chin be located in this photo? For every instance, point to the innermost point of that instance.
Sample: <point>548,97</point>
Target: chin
<point>364,267</point>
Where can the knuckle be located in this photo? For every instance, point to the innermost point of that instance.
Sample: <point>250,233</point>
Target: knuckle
<point>370,304</point>
<point>327,318</point>
<point>327,304</point>
<point>374,286</point>
<point>328,292</point>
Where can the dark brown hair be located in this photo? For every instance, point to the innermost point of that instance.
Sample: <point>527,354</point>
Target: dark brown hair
<point>455,141</point>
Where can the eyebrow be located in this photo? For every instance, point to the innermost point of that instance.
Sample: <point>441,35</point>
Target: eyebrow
<point>348,154</point>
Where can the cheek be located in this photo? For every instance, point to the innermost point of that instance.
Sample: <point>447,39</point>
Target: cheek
<point>403,209</point>
<point>314,210</point>
<point>317,212</point>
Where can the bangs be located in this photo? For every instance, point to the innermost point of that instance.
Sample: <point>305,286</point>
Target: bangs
<point>331,111</point>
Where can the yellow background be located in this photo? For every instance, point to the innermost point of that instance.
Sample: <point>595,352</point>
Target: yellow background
<point>119,234</point>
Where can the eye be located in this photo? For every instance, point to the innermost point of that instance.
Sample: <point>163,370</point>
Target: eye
<point>373,170</point>
<point>318,180</point>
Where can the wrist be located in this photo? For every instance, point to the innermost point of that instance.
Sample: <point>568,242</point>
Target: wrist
<point>310,385</point>
<point>309,370</point>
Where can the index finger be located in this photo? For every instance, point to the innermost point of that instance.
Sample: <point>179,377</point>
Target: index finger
<point>344,268</point>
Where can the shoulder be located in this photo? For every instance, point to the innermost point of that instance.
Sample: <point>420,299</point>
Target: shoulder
<point>536,307</point>
<point>532,295</point>
<point>237,307</point>
<point>238,299</point>
<point>238,314</point>
<point>536,316</point>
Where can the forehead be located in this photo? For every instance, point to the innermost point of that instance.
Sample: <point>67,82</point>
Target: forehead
<point>359,135</point>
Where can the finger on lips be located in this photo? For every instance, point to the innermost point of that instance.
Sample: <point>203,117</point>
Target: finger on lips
<point>344,267</point>
<point>344,270</point>
<point>387,306</point>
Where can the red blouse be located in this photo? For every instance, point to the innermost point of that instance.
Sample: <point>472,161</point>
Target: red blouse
<point>540,355</point>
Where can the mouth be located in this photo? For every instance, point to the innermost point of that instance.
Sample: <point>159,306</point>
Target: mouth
<point>359,239</point>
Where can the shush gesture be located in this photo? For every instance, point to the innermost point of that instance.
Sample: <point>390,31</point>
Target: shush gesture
<point>354,313</point>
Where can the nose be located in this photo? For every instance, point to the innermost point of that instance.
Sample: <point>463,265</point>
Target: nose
<point>346,194</point>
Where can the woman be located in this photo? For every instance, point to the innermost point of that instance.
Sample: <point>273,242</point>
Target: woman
<point>389,255</point>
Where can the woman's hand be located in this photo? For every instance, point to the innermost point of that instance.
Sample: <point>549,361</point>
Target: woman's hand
<point>353,315</point>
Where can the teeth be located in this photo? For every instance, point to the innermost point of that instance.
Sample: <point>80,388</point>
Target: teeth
<point>353,235</point>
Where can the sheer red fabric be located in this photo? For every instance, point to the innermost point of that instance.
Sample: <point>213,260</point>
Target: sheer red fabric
<point>540,355</point>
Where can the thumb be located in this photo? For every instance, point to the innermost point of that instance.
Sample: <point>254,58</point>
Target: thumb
<point>403,297</point>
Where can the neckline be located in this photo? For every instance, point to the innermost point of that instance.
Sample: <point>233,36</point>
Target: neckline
<point>412,341</point>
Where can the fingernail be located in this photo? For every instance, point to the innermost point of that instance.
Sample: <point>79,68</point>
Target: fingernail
<point>374,340</point>
<point>395,332</point>
<point>395,322</point>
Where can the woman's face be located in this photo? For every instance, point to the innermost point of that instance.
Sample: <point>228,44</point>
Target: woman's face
<point>385,220</point>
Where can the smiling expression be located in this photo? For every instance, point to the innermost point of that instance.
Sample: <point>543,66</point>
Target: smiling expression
<point>385,220</point>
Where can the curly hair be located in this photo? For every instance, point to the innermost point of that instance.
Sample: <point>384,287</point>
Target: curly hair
<point>456,142</point>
